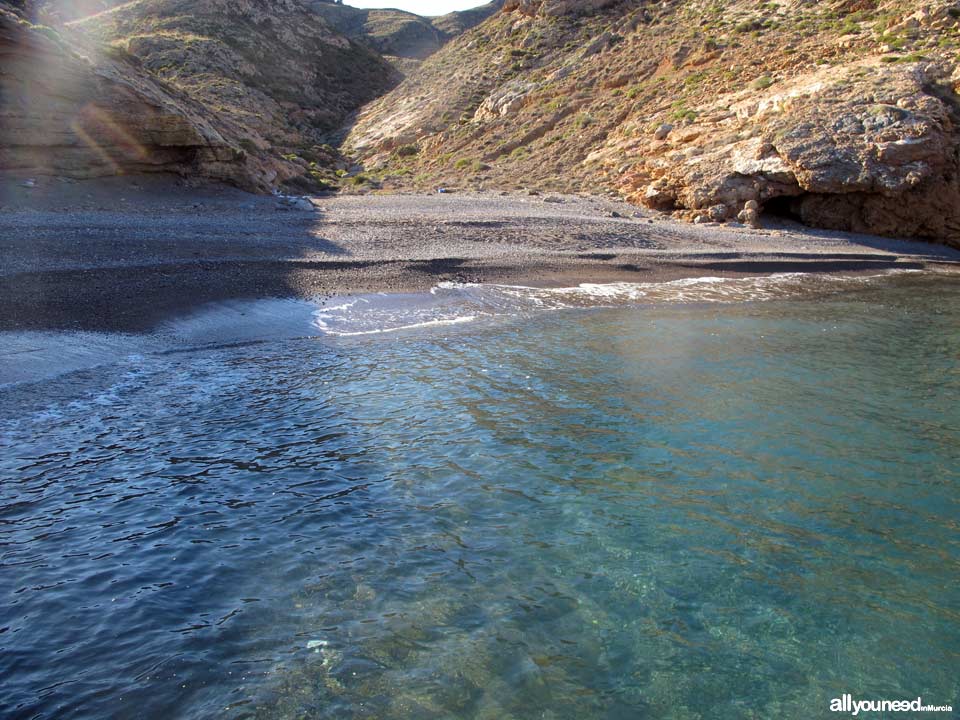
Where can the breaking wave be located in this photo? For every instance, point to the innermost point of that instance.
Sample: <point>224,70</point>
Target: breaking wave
<point>456,303</point>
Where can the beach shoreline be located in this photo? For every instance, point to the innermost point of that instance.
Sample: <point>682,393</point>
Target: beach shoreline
<point>126,254</point>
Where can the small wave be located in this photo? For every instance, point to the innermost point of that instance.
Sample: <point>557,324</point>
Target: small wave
<point>412,326</point>
<point>450,303</point>
<point>689,290</point>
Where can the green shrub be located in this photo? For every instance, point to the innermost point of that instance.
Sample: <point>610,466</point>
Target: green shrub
<point>408,150</point>
<point>762,82</point>
<point>681,112</point>
<point>694,79</point>
<point>583,120</point>
<point>897,42</point>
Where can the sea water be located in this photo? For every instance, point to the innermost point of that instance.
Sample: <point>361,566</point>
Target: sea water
<point>717,499</point>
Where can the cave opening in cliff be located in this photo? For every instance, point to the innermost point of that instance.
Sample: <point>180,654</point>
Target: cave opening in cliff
<point>784,207</point>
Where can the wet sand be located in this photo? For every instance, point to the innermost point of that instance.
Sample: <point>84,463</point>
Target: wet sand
<point>124,254</point>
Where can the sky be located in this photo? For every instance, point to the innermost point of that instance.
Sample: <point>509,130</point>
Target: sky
<point>420,7</point>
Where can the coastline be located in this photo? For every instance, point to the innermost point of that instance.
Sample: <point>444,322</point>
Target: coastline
<point>124,255</point>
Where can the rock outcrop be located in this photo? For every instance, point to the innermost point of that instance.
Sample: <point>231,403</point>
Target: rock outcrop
<point>236,90</point>
<point>868,147</point>
<point>68,111</point>
<point>276,71</point>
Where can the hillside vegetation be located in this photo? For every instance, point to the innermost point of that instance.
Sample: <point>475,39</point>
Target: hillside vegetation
<point>841,113</point>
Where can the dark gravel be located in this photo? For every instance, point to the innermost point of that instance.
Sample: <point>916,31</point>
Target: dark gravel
<point>124,253</point>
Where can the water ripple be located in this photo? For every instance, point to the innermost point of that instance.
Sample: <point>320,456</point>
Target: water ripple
<point>710,510</point>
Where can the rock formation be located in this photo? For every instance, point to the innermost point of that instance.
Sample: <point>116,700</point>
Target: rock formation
<point>865,147</point>
<point>242,91</point>
<point>275,72</point>
<point>70,113</point>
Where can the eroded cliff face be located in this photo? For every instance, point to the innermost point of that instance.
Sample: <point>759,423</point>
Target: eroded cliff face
<point>276,72</point>
<point>864,147</point>
<point>843,113</point>
<point>237,90</point>
<point>68,111</point>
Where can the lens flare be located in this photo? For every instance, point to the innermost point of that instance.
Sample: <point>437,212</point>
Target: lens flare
<point>107,137</point>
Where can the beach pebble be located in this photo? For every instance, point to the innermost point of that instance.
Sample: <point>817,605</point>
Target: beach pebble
<point>29,183</point>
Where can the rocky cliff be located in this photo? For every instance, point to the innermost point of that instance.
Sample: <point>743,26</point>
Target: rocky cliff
<point>243,91</point>
<point>277,73</point>
<point>68,110</point>
<point>843,114</point>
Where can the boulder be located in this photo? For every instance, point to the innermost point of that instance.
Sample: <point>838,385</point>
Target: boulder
<point>750,215</point>
<point>506,101</point>
<point>662,131</point>
<point>717,213</point>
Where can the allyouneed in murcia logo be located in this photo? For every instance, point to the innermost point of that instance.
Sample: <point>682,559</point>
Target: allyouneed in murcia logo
<point>846,704</point>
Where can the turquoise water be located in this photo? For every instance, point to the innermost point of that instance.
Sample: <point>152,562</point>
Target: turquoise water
<point>656,510</point>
